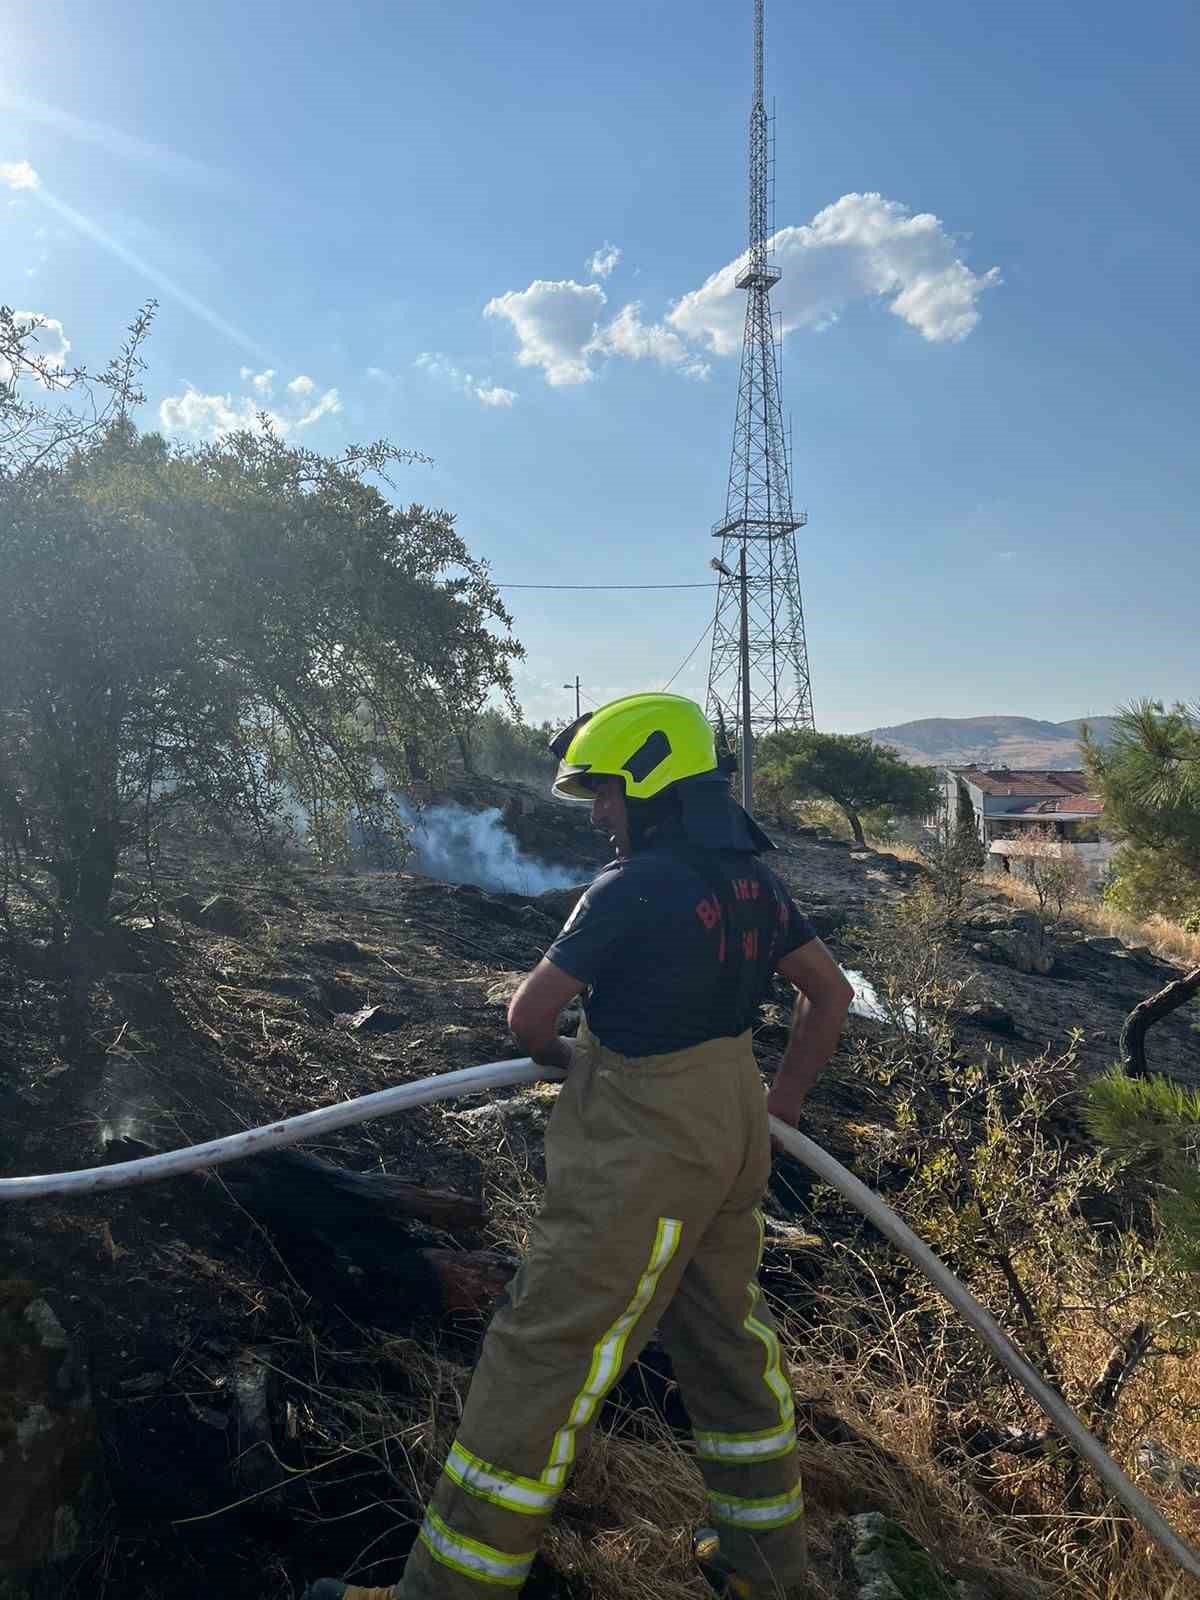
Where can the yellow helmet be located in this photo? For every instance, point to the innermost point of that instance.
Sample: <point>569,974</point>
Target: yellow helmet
<point>649,740</point>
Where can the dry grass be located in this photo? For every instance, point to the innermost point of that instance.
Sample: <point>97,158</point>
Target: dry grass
<point>1017,1538</point>
<point>623,1528</point>
<point>898,848</point>
<point>862,1352</point>
<point>1166,938</point>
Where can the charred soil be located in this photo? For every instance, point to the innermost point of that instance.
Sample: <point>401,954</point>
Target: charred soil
<point>225,1335</point>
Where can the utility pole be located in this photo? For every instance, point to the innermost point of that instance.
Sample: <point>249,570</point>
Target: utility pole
<point>576,687</point>
<point>747,730</point>
<point>746,738</point>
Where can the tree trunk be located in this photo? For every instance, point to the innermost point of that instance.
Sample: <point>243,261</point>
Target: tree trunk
<point>97,869</point>
<point>417,770</point>
<point>293,1186</point>
<point>470,1280</point>
<point>856,826</point>
<point>1143,1017</point>
<point>1122,1364</point>
<point>324,1219</point>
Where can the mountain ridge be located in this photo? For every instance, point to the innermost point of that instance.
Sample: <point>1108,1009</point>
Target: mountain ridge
<point>992,741</point>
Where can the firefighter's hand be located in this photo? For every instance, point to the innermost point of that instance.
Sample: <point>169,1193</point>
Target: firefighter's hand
<point>785,1102</point>
<point>559,1053</point>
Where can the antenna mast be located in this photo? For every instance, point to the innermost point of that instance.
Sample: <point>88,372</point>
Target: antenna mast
<point>759,522</point>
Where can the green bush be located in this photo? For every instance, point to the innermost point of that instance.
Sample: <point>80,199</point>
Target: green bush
<point>503,747</point>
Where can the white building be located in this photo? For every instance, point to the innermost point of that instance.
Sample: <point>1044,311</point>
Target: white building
<point>1021,813</point>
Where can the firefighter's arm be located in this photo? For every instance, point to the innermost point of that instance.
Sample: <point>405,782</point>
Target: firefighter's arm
<point>533,1014</point>
<point>824,998</point>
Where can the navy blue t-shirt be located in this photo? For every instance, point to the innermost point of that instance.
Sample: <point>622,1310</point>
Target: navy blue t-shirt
<point>678,946</point>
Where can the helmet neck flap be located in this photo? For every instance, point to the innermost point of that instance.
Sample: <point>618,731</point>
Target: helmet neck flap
<point>699,812</point>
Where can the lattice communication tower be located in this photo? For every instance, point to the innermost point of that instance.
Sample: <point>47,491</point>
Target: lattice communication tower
<point>758,508</point>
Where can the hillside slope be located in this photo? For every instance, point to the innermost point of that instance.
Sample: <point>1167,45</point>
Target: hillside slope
<point>341,983</point>
<point>990,741</point>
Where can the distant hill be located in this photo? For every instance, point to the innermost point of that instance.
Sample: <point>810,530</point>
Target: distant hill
<point>991,741</point>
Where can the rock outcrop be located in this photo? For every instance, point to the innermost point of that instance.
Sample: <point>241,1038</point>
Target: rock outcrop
<point>49,1461</point>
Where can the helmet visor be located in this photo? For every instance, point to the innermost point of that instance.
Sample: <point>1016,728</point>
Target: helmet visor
<point>574,783</point>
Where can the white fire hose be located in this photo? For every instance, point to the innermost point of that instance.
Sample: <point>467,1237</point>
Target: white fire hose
<point>504,1074</point>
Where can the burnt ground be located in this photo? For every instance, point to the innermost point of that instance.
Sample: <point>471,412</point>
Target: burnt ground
<point>1094,984</point>
<point>195,1032</point>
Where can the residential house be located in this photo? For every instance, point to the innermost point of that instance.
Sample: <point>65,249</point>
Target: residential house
<point>1021,813</point>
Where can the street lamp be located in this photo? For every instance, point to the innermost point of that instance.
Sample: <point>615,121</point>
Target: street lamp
<point>747,753</point>
<point>575,686</point>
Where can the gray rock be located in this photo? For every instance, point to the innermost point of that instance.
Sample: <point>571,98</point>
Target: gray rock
<point>1167,1469</point>
<point>987,1014</point>
<point>1022,944</point>
<point>186,907</point>
<point>889,1564</point>
<point>49,1453</point>
<point>224,914</point>
<point>827,920</point>
<point>989,917</point>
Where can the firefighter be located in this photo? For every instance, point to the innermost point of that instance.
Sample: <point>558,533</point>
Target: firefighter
<point>657,1157</point>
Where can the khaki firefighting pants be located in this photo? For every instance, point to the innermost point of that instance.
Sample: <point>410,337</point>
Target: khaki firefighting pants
<point>655,1168</point>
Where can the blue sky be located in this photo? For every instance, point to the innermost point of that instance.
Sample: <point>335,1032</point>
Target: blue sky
<point>487,229</point>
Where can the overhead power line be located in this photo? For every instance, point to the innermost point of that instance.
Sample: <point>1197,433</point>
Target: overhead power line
<point>604,586</point>
<point>689,656</point>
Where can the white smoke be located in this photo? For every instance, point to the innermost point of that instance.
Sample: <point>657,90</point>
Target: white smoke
<point>460,846</point>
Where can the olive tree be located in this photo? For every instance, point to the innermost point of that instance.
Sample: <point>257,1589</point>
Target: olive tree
<point>849,769</point>
<point>245,628</point>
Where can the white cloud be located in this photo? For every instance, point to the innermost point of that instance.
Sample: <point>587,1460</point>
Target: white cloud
<point>212,416</point>
<point>47,342</point>
<point>554,324</point>
<point>19,175</point>
<point>482,389</point>
<point>862,247</point>
<point>491,394</point>
<point>602,263</point>
<point>328,405</point>
<point>261,382</point>
<point>557,329</point>
<point>627,335</point>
